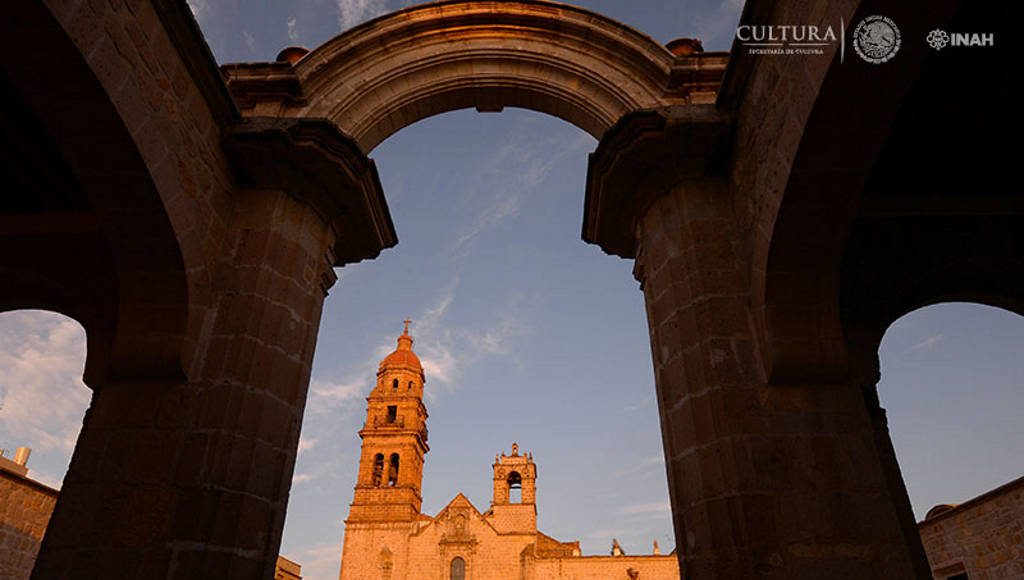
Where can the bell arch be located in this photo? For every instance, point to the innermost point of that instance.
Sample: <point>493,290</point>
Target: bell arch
<point>390,72</point>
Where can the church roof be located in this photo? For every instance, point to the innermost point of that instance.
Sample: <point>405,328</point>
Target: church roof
<point>403,357</point>
<point>459,500</point>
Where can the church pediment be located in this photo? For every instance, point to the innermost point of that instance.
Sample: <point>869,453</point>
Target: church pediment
<point>459,502</point>
<point>455,519</point>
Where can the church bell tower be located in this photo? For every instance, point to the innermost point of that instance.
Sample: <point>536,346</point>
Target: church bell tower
<point>394,441</point>
<point>514,506</point>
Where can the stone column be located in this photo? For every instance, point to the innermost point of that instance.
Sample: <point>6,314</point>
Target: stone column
<point>862,346</point>
<point>766,481</point>
<point>189,479</point>
<point>188,476</point>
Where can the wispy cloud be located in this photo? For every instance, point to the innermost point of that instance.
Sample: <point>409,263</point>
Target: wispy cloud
<point>510,175</point>
<point>250,41</point>
<point>502,208</point>
<point>926,344</point>
<point>646,402</point>
<point>293,29</point>
<point>447,350</point>
<point>330,395</point>
<point>661,507</point>
<point>645,468</point>
<point>307,443</point>
<point>42,355</point>
<point>352,12</point>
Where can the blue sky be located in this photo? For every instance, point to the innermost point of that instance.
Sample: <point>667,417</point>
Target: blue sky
<point>527,333</point>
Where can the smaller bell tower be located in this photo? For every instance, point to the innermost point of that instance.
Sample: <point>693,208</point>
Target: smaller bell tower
<point>394,441</point>
<point>514,507</point>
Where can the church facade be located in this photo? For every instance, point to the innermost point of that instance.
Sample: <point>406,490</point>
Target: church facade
<point>387,537</point>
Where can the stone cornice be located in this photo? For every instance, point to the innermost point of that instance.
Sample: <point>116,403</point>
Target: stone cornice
<point>188,39</point>
<point>255,82</point>
<point>559,59</point>
<point>643,156</point>
<point>314,162</point>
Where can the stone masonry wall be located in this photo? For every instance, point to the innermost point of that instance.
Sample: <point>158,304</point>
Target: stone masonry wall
<point>605,567</point>
<point>177,135</point>
<point>25,508</point>
<point>985,535</point>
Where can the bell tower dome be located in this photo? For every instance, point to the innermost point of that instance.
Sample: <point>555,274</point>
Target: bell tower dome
<point>390,479</point>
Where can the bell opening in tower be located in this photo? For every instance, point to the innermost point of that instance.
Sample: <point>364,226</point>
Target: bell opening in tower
<point>515,487</point>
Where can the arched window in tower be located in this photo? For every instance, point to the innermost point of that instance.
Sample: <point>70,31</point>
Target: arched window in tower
<point>394,385</point>
<point>458,569</point>
<point>378,469</point>
<point>393,471</point>
<point>515,487</point>
<point>410,385</point>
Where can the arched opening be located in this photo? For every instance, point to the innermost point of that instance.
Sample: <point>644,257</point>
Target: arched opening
<point>458,569</point>
<point>394,385</point>
<point>555,59</point>
<point>43,396</point>
<point>393,470</point>
<point>515,487</point>
<point>43,399</point>
<point>952,385</point>
<point>505,294</point>
<point>378,469</point>
<point>561,60</point>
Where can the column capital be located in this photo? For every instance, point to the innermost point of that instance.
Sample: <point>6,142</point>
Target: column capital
<point>642,156</point>
<point>314,162</point>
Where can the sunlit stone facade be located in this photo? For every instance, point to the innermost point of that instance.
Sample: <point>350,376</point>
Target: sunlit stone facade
<point>387,537</point>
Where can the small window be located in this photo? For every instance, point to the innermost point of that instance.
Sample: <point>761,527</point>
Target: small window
<point>515,487</point>
<point>410,385</point>
<point>394,385</point>
<point>458,569</point>
<point>392,413</point>
<point>378,469</point>
<point>393,471</point>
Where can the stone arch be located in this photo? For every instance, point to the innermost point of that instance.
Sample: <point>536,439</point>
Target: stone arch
<point>457,569</point>
<point>100,248</point>
<point>853,181</point>
<point>514,487</point>
<point>397,69</point>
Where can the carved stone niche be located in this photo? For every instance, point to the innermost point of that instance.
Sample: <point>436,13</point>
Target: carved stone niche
<point>386,563</point>
<point>456,532</point>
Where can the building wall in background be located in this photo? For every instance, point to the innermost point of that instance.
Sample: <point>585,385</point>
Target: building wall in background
<point>25,508</point>
<point>982,537</point>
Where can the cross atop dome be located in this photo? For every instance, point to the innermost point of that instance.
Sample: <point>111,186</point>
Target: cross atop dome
<point>403,355</point>
<point>405,341</point>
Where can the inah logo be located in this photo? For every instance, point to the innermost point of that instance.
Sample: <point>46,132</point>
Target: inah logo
<point>876,39</point>
<point>938,39</point>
